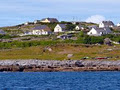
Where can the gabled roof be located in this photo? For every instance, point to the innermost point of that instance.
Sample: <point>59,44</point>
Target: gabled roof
<point>42,27</point>
<point>103,30</point>
<point>108,23</point>
<point>2,32</point>
<point>99,30</point>
<point>62,25</point>
<point>50,19</point>
<point>107,29</point>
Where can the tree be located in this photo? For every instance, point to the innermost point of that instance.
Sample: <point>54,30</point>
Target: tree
<point>81,34</point>
<point>70,27</point>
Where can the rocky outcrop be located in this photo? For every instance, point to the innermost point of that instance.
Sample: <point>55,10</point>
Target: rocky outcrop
<point>54,65</point>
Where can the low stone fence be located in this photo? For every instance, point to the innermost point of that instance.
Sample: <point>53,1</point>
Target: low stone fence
<point>55,65</point>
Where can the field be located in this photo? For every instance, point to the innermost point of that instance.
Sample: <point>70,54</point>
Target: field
<point>61,51</point>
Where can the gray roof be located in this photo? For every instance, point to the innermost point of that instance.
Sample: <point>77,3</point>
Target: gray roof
<point>107,29</point>
<point>108,23</point>
<point>45,27</point>
<point>2,32</point>
<point>62,25</point>
<point>92,26</point>
<point>103,30</point>
<point>99,30</point>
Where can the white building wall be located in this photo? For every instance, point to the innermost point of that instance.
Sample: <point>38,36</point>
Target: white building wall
<point>101,25</point>
<point>58,29</point>
<point>93,32</point>
<point>45,21</point>
<point>77,28</point>
<point>39,32</point>
<point>118,25</point>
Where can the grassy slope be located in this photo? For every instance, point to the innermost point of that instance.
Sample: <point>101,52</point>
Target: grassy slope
<point>60,52</point>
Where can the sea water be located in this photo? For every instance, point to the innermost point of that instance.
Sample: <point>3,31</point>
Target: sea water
<point>60,81</point>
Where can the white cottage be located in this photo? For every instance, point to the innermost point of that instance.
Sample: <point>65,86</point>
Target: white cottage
<point>118,25</point>
<point>41,30</point>
<point>28,23</point>
<point>104,24</point>
<point>49,20</point>
<point>2,32</point>
<point>60,28</point>
<point>99,31</point>
<point>36,21</point>
<point>79,27</point>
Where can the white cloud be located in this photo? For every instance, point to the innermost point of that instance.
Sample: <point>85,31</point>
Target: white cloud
<point>95,19</point>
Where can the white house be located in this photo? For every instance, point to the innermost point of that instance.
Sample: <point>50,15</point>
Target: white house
<point>118,25</point>
<point>104,24</point>
<point>99,31</point>
<point>49,20</point>
<point>28,23</point>
<point>75,22</point>
<point>41,30</point>
<point>28,33</point>
<point>60,28</point>
<point>36,21</point>
<point>79,27</point>
<point>2,32</point>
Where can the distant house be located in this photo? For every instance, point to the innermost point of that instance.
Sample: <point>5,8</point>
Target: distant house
<point>79,27</point>
<point>75,22</point>
<point>99,31</point>
<point>104,24</point>
<point>64,36</point>
<point>118,25</point>
<point>28,33</point>
<point>28,23</point>
<point>2,32</point>
<point>41,30</point>
<point>60,28</point>
<point>92,26</point>
<point>36,21</point>
<point>49,20</point>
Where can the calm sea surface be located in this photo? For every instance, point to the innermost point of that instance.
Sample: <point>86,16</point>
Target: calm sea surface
<point>60,81</point>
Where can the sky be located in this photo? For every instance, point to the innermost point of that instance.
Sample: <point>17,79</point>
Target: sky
<point>13,12</point>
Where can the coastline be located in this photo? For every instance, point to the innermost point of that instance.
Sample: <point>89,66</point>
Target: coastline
<point>56,66</point>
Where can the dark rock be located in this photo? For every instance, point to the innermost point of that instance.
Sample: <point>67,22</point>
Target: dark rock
<point>79,64</point>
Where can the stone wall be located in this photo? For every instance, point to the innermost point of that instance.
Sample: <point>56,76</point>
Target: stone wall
<point>55,65</point>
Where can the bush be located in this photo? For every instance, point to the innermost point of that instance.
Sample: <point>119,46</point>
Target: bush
<point>81,34</point>
<point>5,36</point>
<point>70,27</point>
<point>90,40</point>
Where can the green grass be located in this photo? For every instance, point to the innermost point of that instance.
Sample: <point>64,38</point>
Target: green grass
<point>60,52</point>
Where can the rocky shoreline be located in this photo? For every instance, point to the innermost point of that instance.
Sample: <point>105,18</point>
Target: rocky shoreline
<point>56,66</point>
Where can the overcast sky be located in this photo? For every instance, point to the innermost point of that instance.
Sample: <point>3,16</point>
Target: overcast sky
<point>14,12</point>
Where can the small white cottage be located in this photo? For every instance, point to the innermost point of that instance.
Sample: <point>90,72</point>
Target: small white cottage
<point>49,20</point>
<point>60,28</point>
<point>2,32</point>
<point>118,25</point>
<point>99,31</point>
<point>79,27</point>
<point>104,24</point>
<point>41,30</point>
<point>36,21</point>
<point>28,23</point>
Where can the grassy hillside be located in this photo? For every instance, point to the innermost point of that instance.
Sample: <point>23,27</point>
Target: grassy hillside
<point>60,52</point>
